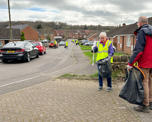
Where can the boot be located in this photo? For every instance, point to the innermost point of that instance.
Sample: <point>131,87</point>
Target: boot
<point>143,108</point>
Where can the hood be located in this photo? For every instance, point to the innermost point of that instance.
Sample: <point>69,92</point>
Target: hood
<point>146,28</point>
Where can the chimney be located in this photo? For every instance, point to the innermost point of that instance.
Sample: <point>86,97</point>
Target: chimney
<point>124,24</point>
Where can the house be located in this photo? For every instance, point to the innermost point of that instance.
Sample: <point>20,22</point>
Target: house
<point>5,36</point>
<point>94,36</point>
<point>29,32</point>
<point>76,34</point>
<point>123,37</point>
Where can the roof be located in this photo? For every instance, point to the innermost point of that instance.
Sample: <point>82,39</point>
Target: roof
<point>21,27</point>
<point>5,34</point>
<point>128,29</point>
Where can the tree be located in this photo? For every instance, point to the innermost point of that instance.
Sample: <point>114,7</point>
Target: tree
<point>22,36</point>
<point>39,26</point>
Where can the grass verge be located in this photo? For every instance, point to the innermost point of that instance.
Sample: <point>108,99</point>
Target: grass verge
<point>115,75</point>
<point>83,47</point>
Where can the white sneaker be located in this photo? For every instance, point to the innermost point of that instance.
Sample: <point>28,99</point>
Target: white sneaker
<point>100,88</point>
<point>109,89</point>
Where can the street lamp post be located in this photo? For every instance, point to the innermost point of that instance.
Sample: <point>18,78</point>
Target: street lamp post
<point>10,24</point>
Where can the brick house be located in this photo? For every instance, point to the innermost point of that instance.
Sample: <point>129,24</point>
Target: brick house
<point>5,36</point>
<point>123,37</point>
<point>93,37</point>
<point>77,34</point>
<point>29,32</point>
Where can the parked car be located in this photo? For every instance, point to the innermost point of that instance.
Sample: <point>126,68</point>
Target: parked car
<point>52,45</point>
<point>88,44</point>
<point>94,44</point>
<point>40,46</point>
<point>45,42</point>
<point>82,42</point>
<point>61,43</point>
<point>19,50</point>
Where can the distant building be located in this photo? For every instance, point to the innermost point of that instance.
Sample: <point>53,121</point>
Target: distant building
<point>29,32</point>
<point>5,36</point>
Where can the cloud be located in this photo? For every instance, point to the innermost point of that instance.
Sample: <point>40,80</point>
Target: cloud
<point>105,12</point>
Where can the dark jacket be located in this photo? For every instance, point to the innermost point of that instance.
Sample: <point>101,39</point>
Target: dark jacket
<point>142,52</point>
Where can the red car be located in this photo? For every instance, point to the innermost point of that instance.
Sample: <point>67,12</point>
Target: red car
<point>52,45</point>
<point>41,48</point>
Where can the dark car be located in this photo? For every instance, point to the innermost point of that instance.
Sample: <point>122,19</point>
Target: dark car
<point>19,50</point>
<point>88,44</point>
<point>83,42</point>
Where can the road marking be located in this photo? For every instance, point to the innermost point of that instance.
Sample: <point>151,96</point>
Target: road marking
<point>20,81</point>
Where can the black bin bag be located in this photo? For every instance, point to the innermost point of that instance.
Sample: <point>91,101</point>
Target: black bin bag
<point>133,90</point>
<point>105,68</point>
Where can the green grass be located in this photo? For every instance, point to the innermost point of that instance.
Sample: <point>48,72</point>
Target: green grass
<point>115,75</point>
<point>119,54</point>
<point>83,47</point>
<point>79,77</point>
<point>90,54</point>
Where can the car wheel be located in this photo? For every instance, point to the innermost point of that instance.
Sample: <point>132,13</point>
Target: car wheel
<point>37,56</point>
<point>28,59</point>
<point>42,53</point>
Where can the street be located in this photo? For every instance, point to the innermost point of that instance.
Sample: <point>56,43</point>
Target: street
<point>17,75</point>
<point>59,100</point>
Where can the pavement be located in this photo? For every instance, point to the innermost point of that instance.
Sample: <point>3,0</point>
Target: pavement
<point>63,100</point>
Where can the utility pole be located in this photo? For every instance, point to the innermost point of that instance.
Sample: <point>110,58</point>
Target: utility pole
<point>10,23</point>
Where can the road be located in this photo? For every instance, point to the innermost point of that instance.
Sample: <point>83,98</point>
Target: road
<point>17,75</point>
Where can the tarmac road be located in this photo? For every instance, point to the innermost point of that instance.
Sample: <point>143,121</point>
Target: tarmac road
<point>17,75</point>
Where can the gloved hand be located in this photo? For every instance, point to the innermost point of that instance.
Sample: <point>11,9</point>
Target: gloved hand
<point>129,67</point>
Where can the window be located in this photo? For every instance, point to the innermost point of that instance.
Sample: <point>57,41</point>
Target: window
<point>128,41</point>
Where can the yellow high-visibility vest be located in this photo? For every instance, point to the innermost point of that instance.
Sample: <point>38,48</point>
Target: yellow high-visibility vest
<point>66,43</point>
<point>103,51</point>
<point>55,42</point>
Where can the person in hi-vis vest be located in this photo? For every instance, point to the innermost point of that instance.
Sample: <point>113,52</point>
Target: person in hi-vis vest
<point>105,51</point>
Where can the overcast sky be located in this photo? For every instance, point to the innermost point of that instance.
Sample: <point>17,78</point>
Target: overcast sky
<point>89,12</point>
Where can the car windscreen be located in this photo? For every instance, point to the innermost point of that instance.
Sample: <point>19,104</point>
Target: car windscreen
<point>15,44</point>
<point>62,42</point>
<point>36,44</point>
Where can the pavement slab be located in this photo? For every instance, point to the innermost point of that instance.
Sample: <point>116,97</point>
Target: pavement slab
<point>63,100</point>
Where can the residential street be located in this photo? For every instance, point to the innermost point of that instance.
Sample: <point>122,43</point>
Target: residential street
<point>16,75</point>
<point>45,99</point>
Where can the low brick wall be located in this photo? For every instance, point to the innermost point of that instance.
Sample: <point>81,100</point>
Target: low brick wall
<point>120,63</point>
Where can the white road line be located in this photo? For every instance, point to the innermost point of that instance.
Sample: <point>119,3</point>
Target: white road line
<point>20,81</point>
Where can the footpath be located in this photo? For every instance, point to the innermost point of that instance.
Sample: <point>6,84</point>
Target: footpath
<point>63,100</point>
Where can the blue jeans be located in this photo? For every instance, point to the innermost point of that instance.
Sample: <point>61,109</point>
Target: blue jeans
<point>109,80</point>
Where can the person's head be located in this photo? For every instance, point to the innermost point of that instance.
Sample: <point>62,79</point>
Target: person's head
<point>141,21</point>
<point>103,36</point>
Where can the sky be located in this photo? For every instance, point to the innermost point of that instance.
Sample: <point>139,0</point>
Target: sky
<point>77,12</point>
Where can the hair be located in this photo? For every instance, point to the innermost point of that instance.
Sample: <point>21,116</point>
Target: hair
<point>143,20</point>
<point>103,34</point>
